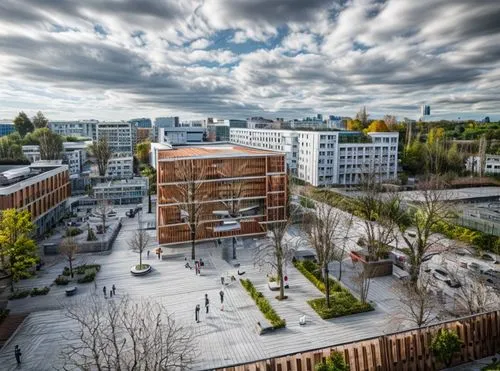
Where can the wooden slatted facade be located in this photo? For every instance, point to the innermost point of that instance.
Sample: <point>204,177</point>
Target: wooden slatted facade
<point>39,194</point>
<point>258,176</point>
<point>405,351</point>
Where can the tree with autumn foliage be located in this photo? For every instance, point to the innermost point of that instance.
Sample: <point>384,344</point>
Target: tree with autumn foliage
<point>354,125</point>
<point>377,126</point>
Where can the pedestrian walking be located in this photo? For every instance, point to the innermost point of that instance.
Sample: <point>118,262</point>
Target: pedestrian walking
<point>221,293</point>
<point>104,291</point>
<point>17,354</point>
<point>148,254</point>
<point>197,313</point>
<point>114,289</point>
<point>196,267</point>
<point>222,280</point>
<point>110,293</point>
<point>207,303</point>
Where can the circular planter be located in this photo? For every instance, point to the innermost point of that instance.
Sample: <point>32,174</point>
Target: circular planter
<point>140,272</point>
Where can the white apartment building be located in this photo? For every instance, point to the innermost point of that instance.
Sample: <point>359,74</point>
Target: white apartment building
<point>122,192</point>
<point>324,158</point>
<point>120,167</point>
<point>491,164</point>
<point>121,137</point>
<point>74,155</point>
<point>181,135</point>
<point>83,128</point>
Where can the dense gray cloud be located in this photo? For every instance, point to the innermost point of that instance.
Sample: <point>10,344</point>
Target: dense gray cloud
<point>236,58</point>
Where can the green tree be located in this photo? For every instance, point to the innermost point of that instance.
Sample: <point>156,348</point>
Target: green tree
<point>11,147</point>
<point>102,152</point>
<point>51,144</point>
<point>335,362</point>
<point>23,124</point>
<point>150,173</point>
<point>354,125</point>
<point>40,121</point>
<point>142,151</point>
<point>18,250</point>
<point>444,346</point>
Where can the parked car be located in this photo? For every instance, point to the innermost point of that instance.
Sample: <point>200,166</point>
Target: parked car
<point>463,252</point>
<point>442,275</point>
<point>492,276</point>
<point>489,258</point>
<point>429,256</point>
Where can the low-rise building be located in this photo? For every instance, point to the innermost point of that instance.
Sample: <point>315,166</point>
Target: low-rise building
<point>120,167</point>
<point>324,158</point>
<point>122,192</point>
<point>240,190</point>
<point>181,135</point>
<point>74,155</point>
<point>41,188</point>
<point>77,128</point>
<point>491,164</point>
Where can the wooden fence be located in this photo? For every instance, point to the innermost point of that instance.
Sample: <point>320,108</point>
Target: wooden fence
<point>405,351</point>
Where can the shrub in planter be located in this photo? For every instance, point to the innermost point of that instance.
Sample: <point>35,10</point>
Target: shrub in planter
<point>339,306</point>
<point>18,294</point>
<point>91,235</point>
<point>263,304</point>
<point>88,277</point>
<point>61,280</point>
<point>71,232</point>
<point>81,269</point>
<point>444,346</point>
<point>66,272</point>
<point>37,292</point>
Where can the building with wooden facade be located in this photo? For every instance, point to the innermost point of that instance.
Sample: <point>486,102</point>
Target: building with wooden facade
<point>41,188</point>
<point>220,191</point>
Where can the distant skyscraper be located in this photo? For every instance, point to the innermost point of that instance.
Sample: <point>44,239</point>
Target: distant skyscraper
<point>425,110</point>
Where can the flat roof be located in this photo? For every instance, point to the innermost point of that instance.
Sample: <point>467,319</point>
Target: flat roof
<point>473,193</point>
<point>210,151</point>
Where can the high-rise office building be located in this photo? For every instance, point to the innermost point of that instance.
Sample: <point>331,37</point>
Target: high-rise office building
<point>425,110</point>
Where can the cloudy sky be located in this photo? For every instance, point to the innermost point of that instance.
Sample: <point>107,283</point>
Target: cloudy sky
<point>118,59</point>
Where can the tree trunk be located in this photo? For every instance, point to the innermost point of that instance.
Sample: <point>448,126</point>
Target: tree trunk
<point>327,285</point>
<point>140,259</point>
<point>340,269</point>
<point>193,240</point>
<point>279,272</point>
<point>234,248</point>
<point>414,272</point>
<point>149,202</point>
<point>71,267</point>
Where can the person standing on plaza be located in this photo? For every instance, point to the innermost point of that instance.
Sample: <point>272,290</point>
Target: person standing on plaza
<point>17,354</point>
<point>221,293</point>
<point>197,313</point>
<point>196,267</point>
<point>207,303</point>
<point>114,289</point>
<point>104,291</point>
<point>148,254</point>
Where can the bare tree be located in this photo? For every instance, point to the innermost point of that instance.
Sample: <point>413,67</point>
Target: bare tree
<point>276,252</point>
<point>322,228</point>
<point>102,152</point>
<point>69,249</point>
<point>139,242</point>
<point>362,278</point>
<point>429,207</point>
<point>379,213</point>
<point>231,194</point>
<point>190,196</point>
<point>126,335</point>
<point>102,210</point>
<point>473,296</point>
<point>418,304</point>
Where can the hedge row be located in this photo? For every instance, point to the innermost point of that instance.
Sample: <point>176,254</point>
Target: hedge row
<point>263,304</point>
<point>89,276</point>
<point>342,302</point>
<point>312,272</point>
<point>19,294</point>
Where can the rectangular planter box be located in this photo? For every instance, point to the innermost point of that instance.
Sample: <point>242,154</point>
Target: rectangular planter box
<point>374,268</point>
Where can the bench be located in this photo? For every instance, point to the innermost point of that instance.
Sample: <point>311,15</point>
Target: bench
<point>263,327</point>
<point>399,273</point>
<point>173,256</point>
